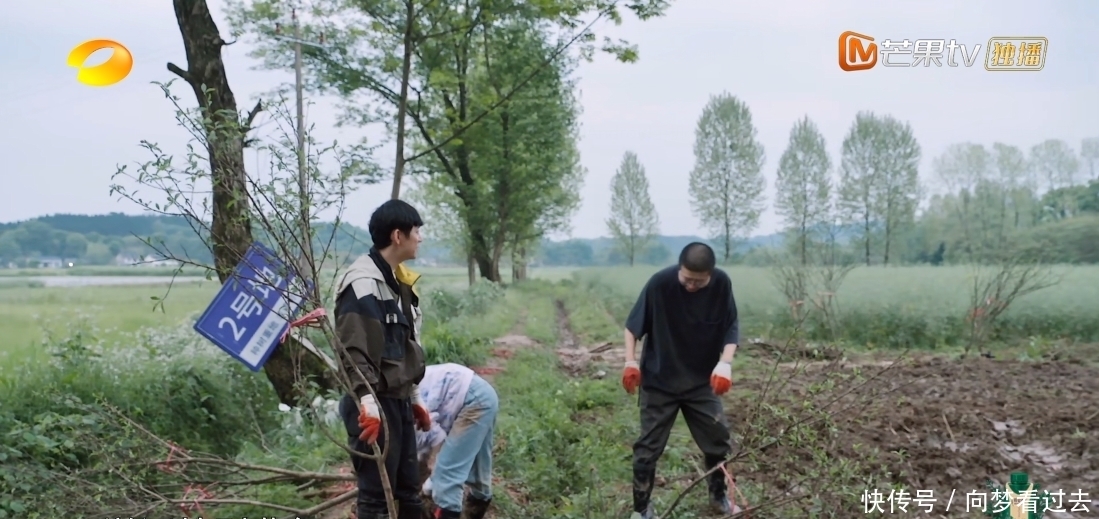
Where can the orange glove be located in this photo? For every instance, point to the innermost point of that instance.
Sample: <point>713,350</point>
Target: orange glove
<point>722,379</point>
<point>370,420</point>
<point>631,377</point>
<point>419,410</point>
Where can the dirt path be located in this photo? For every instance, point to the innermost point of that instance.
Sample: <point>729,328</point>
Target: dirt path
<point>577,359</point>
<point>574,358</point>
<point>503,349</point>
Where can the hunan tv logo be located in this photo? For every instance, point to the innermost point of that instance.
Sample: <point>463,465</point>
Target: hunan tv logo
<point>115,69</point>
<point>859,51</point>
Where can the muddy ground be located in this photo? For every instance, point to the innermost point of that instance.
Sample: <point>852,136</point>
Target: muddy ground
<point>946,424</point>
<point>950,425</point>
<point>937,423</point>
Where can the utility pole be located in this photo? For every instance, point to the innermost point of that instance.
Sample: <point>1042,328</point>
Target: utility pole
<point>303,177</point>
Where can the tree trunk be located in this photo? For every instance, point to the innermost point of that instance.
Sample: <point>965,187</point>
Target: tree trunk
<point>866,229</point>
<point>471,267</point>
<point>484,265</point>
<point>888,238</point>
<point>523,263</point>
<point>519,264</point>
<point>803,238</point>
<point>479,248</point>
<point>728,238</point>
<point>231,226</point>
<point>402,104</point>
<point>497,255</point>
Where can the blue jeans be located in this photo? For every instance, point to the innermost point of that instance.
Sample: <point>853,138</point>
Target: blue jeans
<point>466,455</point>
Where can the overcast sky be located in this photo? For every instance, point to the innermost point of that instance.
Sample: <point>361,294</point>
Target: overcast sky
<point>61,141</point>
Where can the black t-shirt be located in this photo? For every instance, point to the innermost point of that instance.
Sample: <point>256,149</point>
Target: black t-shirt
<point>684,332</point>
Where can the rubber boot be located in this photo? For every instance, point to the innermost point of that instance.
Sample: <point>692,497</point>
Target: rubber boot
<point>643,480</point>
<point>442,513</point>
<point>427,509</point>
<point>474,508</point>
<point>718,488</point>
<point>412,511</point>
<point>647,514</point>
<point>363,513</point>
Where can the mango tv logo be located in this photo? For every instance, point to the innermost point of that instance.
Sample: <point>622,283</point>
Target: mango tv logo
<point>115,69</point>
<point>857,51</point>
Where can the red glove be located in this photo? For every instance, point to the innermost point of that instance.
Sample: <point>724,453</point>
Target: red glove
<point>631,377</point>
<point>419,411</point>
<point>370,420</point>
<point>722,379</point>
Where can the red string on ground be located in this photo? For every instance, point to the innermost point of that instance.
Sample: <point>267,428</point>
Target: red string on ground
<point>169,466</point>
<point>195,493</point>
<point>734,491</point>
<point>311,320</point>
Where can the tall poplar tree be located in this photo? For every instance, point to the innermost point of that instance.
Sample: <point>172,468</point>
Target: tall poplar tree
<point>803,185</point>
<point>726,183</point>
<point>633,222</point>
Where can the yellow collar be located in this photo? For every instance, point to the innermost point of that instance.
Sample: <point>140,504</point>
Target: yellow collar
<point>407,276</point>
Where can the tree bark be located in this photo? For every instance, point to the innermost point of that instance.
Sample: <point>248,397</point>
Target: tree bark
<point>402,104</point>
<point>866,229</point>
<point>231,233</point>
<point>888,237</point>
<point>471,268</point>
<point>519,264</point>
<point>803,239</point>
<point>484,265</point>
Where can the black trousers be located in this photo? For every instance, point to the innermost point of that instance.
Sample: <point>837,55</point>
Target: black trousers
<point>401,462</point>
<point>705,417</point>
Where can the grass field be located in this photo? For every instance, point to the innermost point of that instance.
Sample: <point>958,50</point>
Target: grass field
<point>919,289</point>
<point>909,294</point>
<point>108,313</point>
<point>923,307</point>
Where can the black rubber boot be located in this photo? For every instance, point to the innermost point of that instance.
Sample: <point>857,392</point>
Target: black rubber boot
<point>474,508</point>
<point>442,513</point>
<point>364,513</point>
<point>414,511</point>
<point>643,480</point>
<point>718,488</point>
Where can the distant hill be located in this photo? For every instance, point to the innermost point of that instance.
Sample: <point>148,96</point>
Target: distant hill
<point>106,237</point>
<point>676,243</point>
<point>111,224</point>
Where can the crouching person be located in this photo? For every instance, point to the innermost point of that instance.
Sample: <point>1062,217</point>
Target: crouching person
<point>457,449</point>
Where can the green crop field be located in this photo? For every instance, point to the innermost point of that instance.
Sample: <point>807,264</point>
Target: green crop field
<point>108,313</point>
<point>932,290</point>
<point>899,296</point>
<point>919,306</point>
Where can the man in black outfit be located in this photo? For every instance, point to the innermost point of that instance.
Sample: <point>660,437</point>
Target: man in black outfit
<point>687,315</point>
<point>378,321</point>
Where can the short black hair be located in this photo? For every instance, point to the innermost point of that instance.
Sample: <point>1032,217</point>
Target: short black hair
<point>697,257</point>
<point>394,214</point>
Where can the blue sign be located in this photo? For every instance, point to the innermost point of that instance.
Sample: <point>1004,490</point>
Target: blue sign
<point>254,307</point>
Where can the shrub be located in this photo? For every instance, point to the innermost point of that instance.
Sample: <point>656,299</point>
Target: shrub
<point>445,304</point>
<point>444,343</point>
<point>58,424</point>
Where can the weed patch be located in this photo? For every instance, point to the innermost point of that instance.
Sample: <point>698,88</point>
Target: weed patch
<point>170,381</point>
